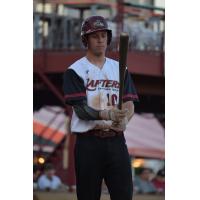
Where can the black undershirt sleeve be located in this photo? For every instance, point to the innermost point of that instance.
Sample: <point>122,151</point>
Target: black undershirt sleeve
<point>75,95</point>
<point>73,87</point>
<point>129,93</point>
<point>85,112</point>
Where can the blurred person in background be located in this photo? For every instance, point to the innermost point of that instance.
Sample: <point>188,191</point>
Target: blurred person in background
<point>159,181</point>
<point>48,180</point>
<point>36,174</point>
<point>142,183</point>
<point>147,37</point>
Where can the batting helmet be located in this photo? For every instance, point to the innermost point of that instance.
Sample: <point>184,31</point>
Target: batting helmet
<point>93,24</point>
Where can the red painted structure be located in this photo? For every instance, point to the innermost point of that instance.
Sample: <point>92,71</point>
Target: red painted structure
<point>138,62</point>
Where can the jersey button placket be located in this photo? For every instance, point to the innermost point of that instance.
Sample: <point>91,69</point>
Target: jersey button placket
<point>99,90</point>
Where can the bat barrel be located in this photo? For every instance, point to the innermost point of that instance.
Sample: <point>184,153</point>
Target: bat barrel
<point>123,49</point>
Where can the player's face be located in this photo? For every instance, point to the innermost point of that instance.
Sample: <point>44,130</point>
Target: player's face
<point>97,42</point>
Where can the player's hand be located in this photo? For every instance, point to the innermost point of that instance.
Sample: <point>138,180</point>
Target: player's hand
<point>120,126</point>
<point>117,115</point>
<point>114,114</point>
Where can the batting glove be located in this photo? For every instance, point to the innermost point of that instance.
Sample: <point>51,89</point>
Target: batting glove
<point>114,114</point>
<point>120,126</point>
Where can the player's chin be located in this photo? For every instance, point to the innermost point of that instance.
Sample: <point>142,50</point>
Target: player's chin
<point>99,51</point>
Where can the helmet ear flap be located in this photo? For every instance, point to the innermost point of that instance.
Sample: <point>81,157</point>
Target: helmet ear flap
<point>109,36</point>
<point>84,40</point>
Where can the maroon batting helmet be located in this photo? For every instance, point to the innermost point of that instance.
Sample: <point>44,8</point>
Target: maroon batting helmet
<point>93,24</point>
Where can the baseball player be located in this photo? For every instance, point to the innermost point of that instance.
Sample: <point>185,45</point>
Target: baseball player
<point>91,87</point>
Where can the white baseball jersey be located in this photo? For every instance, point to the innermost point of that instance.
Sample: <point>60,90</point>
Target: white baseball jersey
<point>99,87</point>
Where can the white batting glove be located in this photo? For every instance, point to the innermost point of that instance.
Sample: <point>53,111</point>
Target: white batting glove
<point>120,126</point>
<point>114,114</point>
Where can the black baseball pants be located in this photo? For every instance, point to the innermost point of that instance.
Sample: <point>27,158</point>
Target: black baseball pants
<point>102,158</point>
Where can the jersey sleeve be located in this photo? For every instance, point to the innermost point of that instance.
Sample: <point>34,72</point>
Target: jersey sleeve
<point>130,93</point>
<point>73,86</point>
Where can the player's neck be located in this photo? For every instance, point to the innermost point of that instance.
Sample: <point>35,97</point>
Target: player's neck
<point>96,60</point>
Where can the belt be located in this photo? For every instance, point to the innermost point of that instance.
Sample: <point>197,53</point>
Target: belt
<point>100,133</point>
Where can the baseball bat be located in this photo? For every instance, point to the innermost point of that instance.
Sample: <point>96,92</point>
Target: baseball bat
<point>123,48</point>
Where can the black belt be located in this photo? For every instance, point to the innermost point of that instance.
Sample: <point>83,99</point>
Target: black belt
<point>100,133</point>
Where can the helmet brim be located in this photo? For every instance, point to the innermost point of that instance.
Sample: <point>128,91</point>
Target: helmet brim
<point>94,31</point>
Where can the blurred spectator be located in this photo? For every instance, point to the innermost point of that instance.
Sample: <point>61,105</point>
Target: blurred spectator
<point>147,38</point>
<point>49,181</point>
<point>142,183</point>
<point>142,35</point>
<point>159,181</point>
<point>36,174</point>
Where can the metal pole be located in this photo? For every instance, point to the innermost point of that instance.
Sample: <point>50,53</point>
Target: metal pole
<point>43,26</point>
<point>120,16</point>
<point>119,21</point>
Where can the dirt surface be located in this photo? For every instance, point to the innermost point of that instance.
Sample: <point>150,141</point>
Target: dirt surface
<point>72,196</point>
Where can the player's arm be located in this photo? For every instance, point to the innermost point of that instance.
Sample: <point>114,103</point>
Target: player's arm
<point>129,106</point>
<point>75,95</point>
<point>85,112</point>
<point>129,96</point>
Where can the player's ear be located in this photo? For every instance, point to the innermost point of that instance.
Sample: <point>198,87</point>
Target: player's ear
<point>85,40</point>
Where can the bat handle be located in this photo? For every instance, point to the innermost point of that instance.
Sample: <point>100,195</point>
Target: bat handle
<point>120,103</point>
